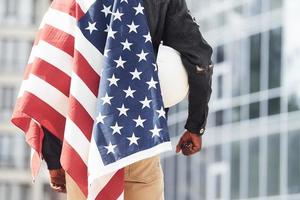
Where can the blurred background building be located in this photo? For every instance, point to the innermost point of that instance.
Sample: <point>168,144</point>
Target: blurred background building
<point>252,143</point>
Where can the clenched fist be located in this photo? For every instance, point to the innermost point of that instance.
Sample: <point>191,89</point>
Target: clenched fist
<point>58,180</point>
<point>189,144</point>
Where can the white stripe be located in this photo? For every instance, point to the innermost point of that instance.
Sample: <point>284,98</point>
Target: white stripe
<point>85,4</point>
<point>89,51</point>
<point>84,95</point>
<point>96,184</point>
<point>32,54</point>
<point>78,141</point>
<point>55,56</point>
<point>46,93</point>
<point>59,20</point>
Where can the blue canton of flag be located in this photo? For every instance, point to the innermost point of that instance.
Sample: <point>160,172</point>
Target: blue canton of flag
<point>131,122</point>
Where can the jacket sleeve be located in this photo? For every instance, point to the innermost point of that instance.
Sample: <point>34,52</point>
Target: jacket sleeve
<point>182,34</point>
<point>51,150</point>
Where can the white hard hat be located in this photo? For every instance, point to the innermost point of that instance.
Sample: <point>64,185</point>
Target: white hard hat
<point>172,76</point>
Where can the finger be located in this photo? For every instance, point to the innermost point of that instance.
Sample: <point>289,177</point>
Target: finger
<point>178,147</point>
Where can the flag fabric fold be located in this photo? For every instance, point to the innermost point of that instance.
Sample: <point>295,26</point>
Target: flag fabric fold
<point>92,81</point>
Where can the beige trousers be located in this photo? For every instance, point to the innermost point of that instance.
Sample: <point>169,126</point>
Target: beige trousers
<point>143,180</point>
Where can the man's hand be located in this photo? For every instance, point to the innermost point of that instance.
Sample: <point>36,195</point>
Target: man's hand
<point>189,144</point>
<point>58,180</point>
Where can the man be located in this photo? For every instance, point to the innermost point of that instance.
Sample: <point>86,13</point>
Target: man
<point>169,21</point>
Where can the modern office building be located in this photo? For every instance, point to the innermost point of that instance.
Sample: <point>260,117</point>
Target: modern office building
<point>252,144</point>
<point>19,20</point>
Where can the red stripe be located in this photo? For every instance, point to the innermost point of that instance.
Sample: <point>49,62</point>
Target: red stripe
<point>68,6</point>
<point>114,188</point>
<point>27,71</point>
<point>81,117</point>
<point>33,107</point>
<point>75,167</point>
<point>86,73</point>
<point>50,74</point>
<point>58,38</point>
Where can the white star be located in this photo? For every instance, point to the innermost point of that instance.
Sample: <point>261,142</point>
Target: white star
<point>113,81</point>
<point>155,131</point>
<point>139,9</point>
<point>111,33</point>
<point>155,66</point>
<point>91,27</point>
<point>120,62</point>
<point>133,27</point>
<point>106,52</point>
<point>146,103</point>
<point>147,37</point>
<point>139,122</point>
<point>161,113</point>
<point>106,10</point>
<point>129,92</point>
<point>107,28</point>
<point>110,148</point>
<point>136,74</point>
<point>123,110</point>
<point>124,1</point>
<point>126,45</point>
<point>118,15</point>
<point>100,118</point>
<point>152,83</point>
<point>116,129</point>
<point>142,56</point>
<point>106,99</point>
<point>133,140</point>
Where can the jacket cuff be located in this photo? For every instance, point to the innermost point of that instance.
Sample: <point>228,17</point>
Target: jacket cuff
<point>193,128</point>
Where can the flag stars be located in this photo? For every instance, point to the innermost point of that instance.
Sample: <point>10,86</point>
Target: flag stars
<point>91,27</point>
<point>126,45</point>
<point>139,122</point>
<point>155,66</point>
<point>147,38</point>
<point>126,1</point>
<point>129,92</point>
<point>133,27</point>
<point>161,113</point>
<point>100,118</point>
<point>139,9</point>
<point>136,74</point>
<point>106,10</point>
<point>152,83</point>
<point>123,110</point>
<point>110,148</point>
<point>133,140</point>
<point>142,56</point>
<point>146,103</point>
<point>118,15</point>
<point>113,81</point>
<point>120,62</point>
<point>111,33</point>
<point>116,129</point>
<point>106,99</point>
<point>155,131</point>
<point>106,52</point>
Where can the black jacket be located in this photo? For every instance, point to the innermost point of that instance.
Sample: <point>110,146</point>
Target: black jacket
<point>169,22</point>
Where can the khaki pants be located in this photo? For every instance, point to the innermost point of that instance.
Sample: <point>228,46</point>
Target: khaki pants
<point>143,180</point>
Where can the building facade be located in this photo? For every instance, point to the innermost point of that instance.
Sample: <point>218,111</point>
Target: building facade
<point>252,143</point>
<point>19,20</point>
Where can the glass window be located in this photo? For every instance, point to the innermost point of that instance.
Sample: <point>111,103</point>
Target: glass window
<point>253,167</point>
<point>274,106</point>
<point>236,114</point>
<point>6,155</point>
<point>255,60</point>
<point>220,86</point>
<point>275,58</point>
<point>8,95</point>
<point>220,54</point>
<point>294,162</point>
<point>274,4</point>
<point>255,7</point>
<point>10,7</point>
<point>235,170</point>
<point>219,118</point>
<point>273,162</point>
<point>293,103</point>
<point>254,110</point>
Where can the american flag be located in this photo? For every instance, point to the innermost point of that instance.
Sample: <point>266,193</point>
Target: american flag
<point>92,81</point>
